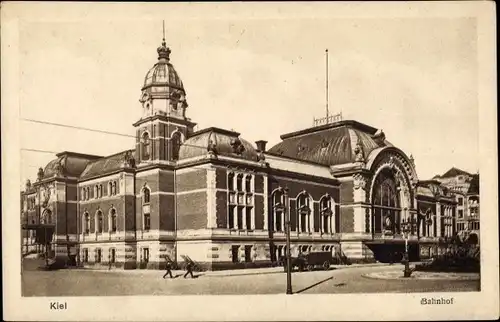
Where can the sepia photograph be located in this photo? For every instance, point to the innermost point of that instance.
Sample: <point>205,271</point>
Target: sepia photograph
<point>222,150</point>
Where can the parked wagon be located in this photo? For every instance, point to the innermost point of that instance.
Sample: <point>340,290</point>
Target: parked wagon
<point>310,261</point>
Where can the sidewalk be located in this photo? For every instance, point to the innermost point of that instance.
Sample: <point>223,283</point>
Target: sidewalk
<point>222,273</point>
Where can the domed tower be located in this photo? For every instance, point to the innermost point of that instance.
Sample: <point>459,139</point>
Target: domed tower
<point>163,125</point>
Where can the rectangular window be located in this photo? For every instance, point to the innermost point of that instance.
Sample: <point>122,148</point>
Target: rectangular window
<point>85,255</point>
<point>303,223</point>
<point>113,255</point>
<point>145,256</point>
<point>248,186</point>
<point>147,222</point>
<point>98,255</point>
<point>248,253</point>
<point>231,217</point>
<point>460,213</point>
<point>248,217</point>
<point>460,201</point>
<point>325,225</point>
<point>240,218</point>
<point>235,253</point>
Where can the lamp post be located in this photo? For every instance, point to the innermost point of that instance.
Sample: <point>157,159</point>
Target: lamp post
<point>406,228</point>
<point>283,207</point>
<point>288,253</point>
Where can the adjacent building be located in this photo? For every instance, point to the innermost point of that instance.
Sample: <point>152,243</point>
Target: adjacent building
<point>223,201</point>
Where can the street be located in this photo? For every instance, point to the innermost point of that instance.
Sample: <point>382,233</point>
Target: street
<point>267,281</point>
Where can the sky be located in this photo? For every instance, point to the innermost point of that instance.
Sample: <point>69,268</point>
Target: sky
<point>415,78</point>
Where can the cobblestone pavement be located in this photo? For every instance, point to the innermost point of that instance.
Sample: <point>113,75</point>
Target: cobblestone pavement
<point>267,281</point>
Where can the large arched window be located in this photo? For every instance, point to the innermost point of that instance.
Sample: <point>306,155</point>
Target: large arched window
<point>386,204</point>
<point>304,212</point>
<point>146,146</point>
<point>277,210</point>
<point>176,145</point>
<point>326,213</point>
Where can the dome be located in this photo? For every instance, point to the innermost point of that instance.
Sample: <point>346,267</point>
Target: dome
<point>222,142</point>
<point>332,144</point>
<point>163,72</point>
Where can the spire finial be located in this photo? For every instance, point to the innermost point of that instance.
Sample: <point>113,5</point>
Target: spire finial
<point>164,43</point>
<point>163,50</point>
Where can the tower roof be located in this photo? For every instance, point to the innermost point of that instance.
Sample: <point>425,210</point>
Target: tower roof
<point>163,73</point>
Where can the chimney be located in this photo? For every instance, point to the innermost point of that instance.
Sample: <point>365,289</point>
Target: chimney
<point>261,145</point>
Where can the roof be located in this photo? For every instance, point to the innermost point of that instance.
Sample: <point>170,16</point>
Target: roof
<point>105,165</point>
<point>68,164</point>
<point>330,144</point>
<point>225,142</point>
<point>453,172</point>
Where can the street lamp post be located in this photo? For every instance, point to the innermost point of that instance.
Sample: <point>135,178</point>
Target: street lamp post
<point>406,227</point>
<point>288,253</point>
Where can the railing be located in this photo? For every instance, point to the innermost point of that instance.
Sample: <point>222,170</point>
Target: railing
<point>328,119</point>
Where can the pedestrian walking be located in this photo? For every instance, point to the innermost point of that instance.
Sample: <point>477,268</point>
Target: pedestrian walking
<point>189,269</point>
<point>168,267</point>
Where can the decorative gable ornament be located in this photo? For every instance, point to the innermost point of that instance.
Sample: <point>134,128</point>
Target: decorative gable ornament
<point>237,146</point>
<point>40,174</point>
<point>359,153</point>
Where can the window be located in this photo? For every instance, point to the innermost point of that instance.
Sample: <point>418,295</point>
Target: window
<point>240,218</point>
<point>239,180</point>
<point>248,253</point>
<point>147,222</point>
<point>146,146</point>
<point>87,197</point>
<point>248,183</point>
<point>235,249</point>
<point>113,220</point>
<point>326,214</point>
<point>176,145</point>
<point>96,192</point>
<point>112,255</point>
<point>85,255</point>
<point>231,217</point>
<point>99,222</point>
<point>230,181</point>
<point>460,213</point>
<point>277,207</point>
<point>460,201</point>
<point>386,204</point>
<point>248,218</point>
<point>146,196</point>
<point>113,188</point>
<point>304,212</point>
<point>86,223</point>
<point>110,189</point>
<point>98,255</point>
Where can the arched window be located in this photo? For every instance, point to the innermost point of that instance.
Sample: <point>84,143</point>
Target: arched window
<point>99,222</point>
<point>86,223</point>
<point>112,224</point>
<point>386,204</point>
<point>239,182</point>
<point>145,195</point>
<point>96,192</point>
<point>110,189</point>
<point>176,145</point>
<point>146,146</point>
<point>113,188</point>
<point>326,212</point>
<point>248,183</point>
<point>100,191</point>
<point>277,210</point>
<point>87,196</point>
<point>304,212</point>
<point>230,181</point>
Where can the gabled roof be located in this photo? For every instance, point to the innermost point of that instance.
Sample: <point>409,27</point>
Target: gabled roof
<point>453,172</point>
